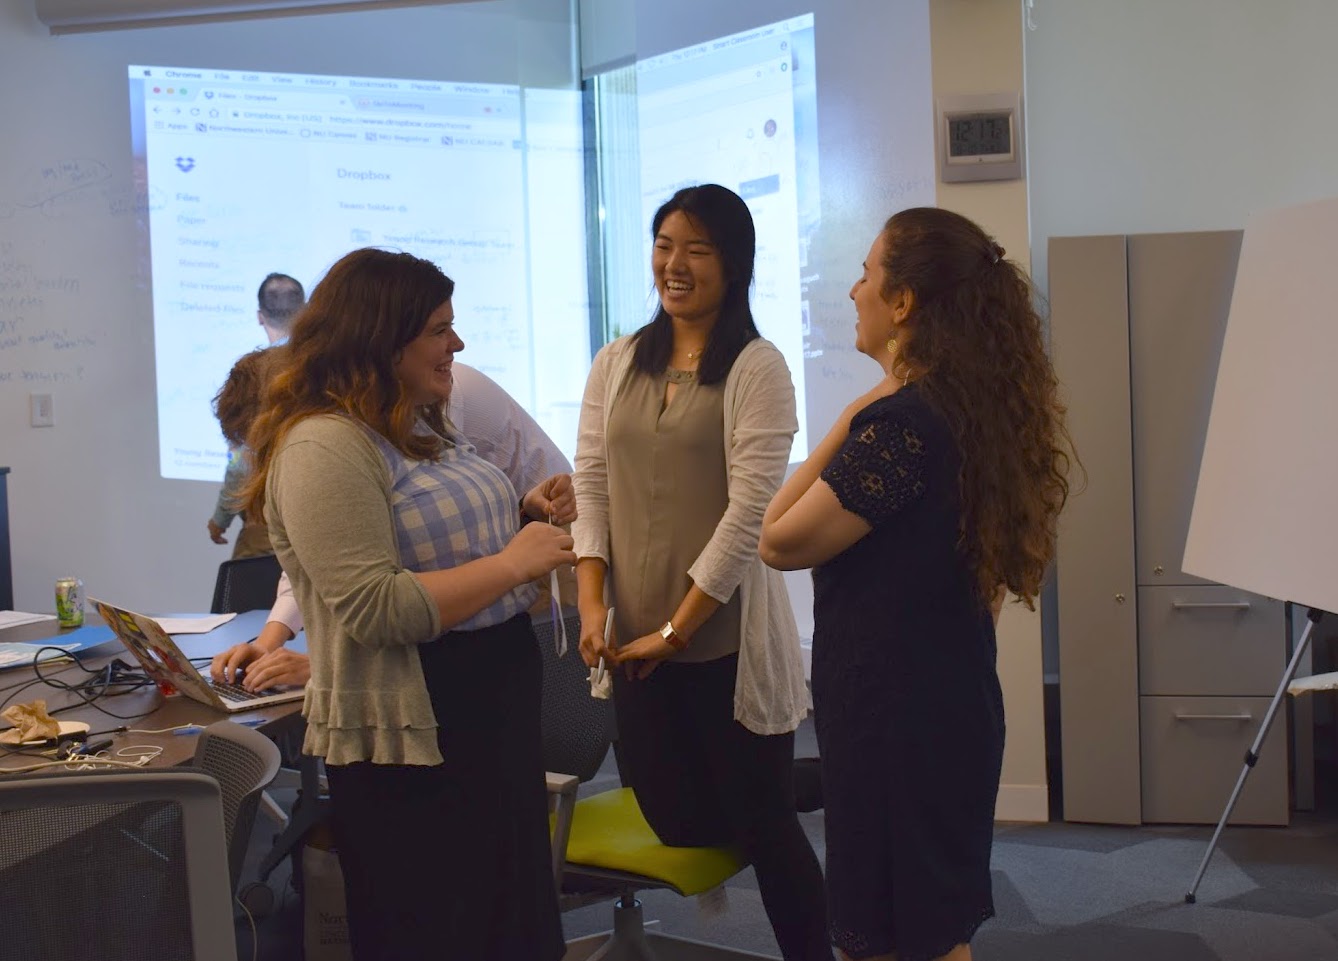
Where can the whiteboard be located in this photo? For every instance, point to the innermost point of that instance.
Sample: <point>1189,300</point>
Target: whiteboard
<point>1265,514</point>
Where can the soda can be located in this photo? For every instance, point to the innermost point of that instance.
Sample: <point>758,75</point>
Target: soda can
<point>70,601</point>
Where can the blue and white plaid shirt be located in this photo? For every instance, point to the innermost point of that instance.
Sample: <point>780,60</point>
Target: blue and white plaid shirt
<point>452,511</point>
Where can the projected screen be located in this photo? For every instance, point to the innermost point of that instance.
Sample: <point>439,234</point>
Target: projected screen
<point>249,173</point>
<point>741,111</point>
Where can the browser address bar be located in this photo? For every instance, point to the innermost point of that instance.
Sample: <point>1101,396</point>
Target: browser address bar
<point>721,83</point>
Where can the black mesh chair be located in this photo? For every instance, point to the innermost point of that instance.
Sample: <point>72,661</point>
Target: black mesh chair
<point>577,729</point>
<point>251,584</point>
<point>246,584</point>
<point>115,864</point>
<point>243,762</point>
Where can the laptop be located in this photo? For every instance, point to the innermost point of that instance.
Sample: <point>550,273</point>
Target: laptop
<point>172,670</point>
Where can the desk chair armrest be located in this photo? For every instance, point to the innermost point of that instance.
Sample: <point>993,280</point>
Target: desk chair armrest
<point>563,784</point>
<point>562,802</point>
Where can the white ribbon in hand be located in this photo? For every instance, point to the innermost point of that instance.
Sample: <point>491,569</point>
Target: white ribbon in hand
<point>555,609</point>
<point>601,679</point>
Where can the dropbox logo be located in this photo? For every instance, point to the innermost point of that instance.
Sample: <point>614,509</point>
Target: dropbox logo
<point>185,164</point>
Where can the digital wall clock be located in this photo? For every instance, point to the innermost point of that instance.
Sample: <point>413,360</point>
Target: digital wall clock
<point>979,137</point>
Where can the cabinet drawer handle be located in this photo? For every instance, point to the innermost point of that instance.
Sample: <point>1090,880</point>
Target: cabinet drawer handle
<point>1214,717</point>
<point>1210,605</point>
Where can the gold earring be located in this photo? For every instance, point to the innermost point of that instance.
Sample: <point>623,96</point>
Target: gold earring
<point>891,345</point>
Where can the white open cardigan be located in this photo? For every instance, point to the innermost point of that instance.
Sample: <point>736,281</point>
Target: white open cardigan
<point>770,696</point>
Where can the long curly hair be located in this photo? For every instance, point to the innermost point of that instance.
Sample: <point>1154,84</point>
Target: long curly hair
<point>976,350</point>
<point>341,358</point>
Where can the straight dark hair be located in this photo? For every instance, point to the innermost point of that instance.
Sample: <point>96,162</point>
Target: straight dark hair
<point>725,217</point>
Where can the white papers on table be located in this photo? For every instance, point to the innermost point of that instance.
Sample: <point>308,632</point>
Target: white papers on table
<point>193,625</point>
<point>15,618</point>
<point>15,654</point>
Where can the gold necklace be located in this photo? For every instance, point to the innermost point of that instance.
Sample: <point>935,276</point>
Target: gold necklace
<point>694,354</point>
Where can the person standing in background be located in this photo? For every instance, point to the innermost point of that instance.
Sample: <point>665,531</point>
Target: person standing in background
<point>934,494</point>
<point>236,405</point>
<point>280,298</point>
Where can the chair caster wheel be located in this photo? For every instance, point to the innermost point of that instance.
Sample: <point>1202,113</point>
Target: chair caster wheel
<point>257,898</point>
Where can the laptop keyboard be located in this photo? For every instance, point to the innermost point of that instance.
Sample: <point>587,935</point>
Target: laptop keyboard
<point>235,692</point>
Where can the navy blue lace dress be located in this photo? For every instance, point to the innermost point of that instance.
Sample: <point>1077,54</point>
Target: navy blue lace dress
<point>907,705</point>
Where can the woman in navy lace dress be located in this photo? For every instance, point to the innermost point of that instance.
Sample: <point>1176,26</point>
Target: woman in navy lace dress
<point>932,497</point>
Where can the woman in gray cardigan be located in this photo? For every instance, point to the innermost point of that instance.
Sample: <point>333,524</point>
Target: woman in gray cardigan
<point>407,555</point>
<point>685,431</point>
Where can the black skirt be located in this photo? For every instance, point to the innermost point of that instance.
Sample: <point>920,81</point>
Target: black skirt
<point>453,861</point>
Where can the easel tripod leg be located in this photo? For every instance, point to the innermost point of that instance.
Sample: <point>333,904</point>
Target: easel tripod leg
<point>1252,755</point>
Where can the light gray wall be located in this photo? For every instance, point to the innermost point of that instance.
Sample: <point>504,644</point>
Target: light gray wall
<point>85,496</point>
<point>1147,116</point>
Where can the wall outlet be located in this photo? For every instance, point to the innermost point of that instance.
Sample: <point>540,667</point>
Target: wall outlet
<point>39,410</point>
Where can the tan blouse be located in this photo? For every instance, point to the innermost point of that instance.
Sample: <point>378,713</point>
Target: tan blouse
<point>770,694</point>
<point>668,489</point>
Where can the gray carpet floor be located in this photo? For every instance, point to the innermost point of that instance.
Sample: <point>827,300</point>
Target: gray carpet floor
<point>1062,892</point>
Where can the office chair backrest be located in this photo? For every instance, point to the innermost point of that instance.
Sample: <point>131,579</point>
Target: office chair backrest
<point>246,584</point>
<point>114,864</point>
<point>243,762</point>
<point>577,728</point>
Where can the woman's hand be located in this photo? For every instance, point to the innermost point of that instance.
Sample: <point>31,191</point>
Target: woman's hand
<point>537,549</point>
<point>593,645</point>
<point>650,650</point>
<point>553,500</point>
<point>275,669</point>
<point>216,533</point>
<point>226,666</point>
<point>884,388</point>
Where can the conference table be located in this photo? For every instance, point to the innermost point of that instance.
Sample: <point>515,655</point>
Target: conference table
<point>144,709</point>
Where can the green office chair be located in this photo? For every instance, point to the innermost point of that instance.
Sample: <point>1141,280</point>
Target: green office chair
<point>602,846</point>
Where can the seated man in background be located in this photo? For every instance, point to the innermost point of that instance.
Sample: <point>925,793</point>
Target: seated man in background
<point>502,433</point>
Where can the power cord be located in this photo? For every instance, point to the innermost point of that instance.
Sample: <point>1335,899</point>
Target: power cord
<point>79,762</point>
<point>255,936</point>
<point>111,680</point>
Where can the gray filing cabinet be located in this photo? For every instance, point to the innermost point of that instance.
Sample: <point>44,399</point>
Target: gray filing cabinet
<point>1164,677</point>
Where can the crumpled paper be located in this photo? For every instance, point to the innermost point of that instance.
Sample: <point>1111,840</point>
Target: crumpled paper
<point>601,682</point>
<point>31,723</point>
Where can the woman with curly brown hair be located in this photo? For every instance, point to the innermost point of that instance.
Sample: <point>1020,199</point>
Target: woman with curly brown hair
<point>236,405</point>
<point>934,495</point>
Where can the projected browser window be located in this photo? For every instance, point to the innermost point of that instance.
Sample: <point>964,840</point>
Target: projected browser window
<point>741,111</point>
<point>249,173</point>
